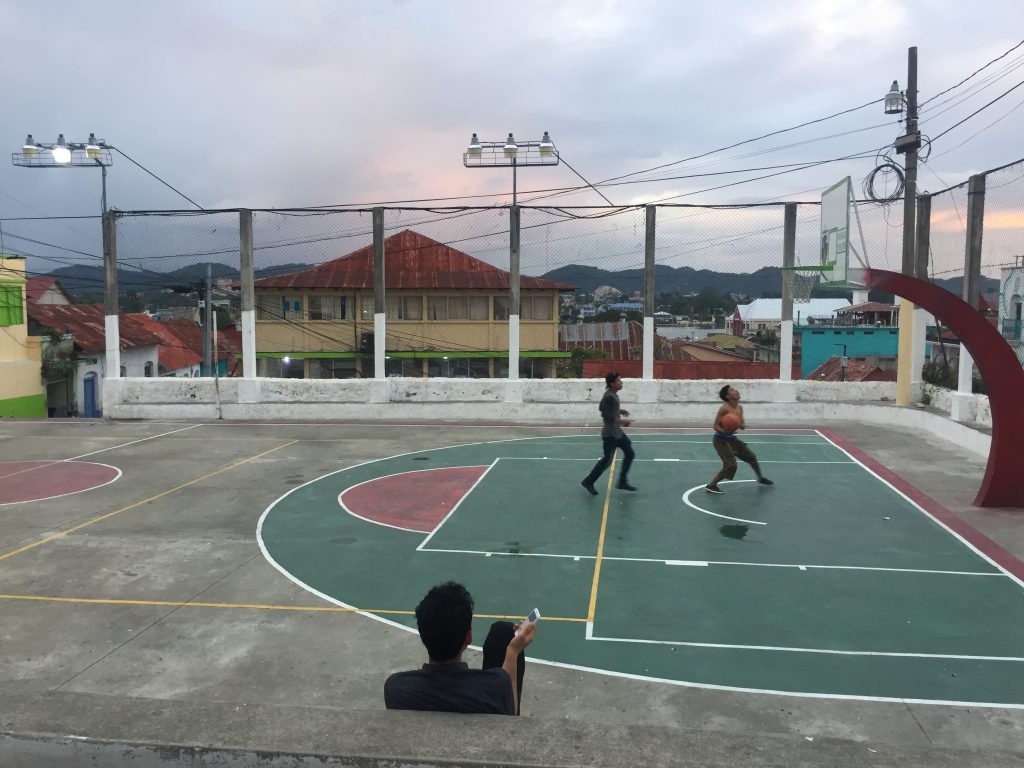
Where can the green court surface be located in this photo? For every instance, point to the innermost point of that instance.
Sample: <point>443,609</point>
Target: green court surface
<point>840,580</point>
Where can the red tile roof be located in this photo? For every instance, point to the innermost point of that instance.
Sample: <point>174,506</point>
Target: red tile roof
<point>174,352</point>
<point>411,260</point>
<point>87,323</point>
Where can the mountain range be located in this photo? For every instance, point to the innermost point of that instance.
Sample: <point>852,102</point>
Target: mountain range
<point>82,279</point>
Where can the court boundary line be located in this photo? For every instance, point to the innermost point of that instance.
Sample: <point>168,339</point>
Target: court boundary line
<point>133,505</point>
<point>114,479</point>
<point>252,606</point>
<point>959,529</point>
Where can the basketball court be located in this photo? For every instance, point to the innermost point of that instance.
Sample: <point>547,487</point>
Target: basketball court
<point>836,581</point>
<point>274,568</point>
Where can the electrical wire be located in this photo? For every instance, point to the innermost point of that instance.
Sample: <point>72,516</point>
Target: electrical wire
<point>975,72</point>
<point>176,191</point>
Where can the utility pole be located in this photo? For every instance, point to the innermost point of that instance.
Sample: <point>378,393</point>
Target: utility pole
<point>909,143</point>
<point>207,314</point>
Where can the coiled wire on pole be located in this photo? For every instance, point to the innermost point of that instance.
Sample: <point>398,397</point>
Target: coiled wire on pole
<point>886,169</point>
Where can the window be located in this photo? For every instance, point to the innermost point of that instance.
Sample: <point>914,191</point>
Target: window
<point>328,307</point>
<point>501,307</point>
<point>536,308</point>
<point>366,307</point>
<point>268,307</point>
<point>457,307</point>
<point>291,307</point>
<point>11,307</point>
<point>333,369</point>
<point>404,308</point>
<point>410,367</point>
<point>124,371</point>
<point>147,369</point>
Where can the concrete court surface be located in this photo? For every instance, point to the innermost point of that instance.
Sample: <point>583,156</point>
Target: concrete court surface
<point>161,636</point>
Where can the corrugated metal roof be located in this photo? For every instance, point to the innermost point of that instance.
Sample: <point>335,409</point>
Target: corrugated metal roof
<point>411,260</point>
<point>771,309</point>
<point>87,323</point>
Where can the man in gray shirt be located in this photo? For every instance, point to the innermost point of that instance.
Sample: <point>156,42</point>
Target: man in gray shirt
<point>612,437</point>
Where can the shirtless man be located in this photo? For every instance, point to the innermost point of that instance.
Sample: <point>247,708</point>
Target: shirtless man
<point>728,446</point>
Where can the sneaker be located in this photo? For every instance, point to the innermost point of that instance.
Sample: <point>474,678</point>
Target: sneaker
<point>590,488</point>
<point>764,481</point>
<point>713,488</point>
<point>625,486</point>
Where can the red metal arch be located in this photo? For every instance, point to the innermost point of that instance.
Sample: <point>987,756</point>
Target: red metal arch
<point>1003,484</point>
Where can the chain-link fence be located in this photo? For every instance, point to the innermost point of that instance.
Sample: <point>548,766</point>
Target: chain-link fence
<point>586,299</point>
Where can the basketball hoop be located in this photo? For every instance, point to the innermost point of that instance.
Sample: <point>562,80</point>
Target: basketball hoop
<point>803,284</point>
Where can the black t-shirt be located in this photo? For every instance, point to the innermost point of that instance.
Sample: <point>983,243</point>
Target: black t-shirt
<point>451,688</point>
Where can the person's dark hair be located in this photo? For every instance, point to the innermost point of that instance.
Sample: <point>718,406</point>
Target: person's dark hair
<point>444,617</point>
<point>610,377</point>
<point>724,392</point>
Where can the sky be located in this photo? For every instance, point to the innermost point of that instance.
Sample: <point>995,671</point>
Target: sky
<point>335,102</point>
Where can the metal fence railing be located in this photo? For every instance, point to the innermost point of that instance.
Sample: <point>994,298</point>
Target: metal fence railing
<point>594,283</point>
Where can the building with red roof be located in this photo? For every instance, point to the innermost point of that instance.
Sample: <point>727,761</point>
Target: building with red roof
<point>447,315</point>
<point>44,289</point>
<point>75,347</point>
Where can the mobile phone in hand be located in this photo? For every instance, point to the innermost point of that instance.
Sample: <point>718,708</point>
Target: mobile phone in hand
<point>534,615</point>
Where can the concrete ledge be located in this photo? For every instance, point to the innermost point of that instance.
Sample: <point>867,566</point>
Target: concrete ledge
<point>149,732</point>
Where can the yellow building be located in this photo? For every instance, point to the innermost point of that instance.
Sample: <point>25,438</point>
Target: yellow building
<point>446,315</point>
<point>21,385</point>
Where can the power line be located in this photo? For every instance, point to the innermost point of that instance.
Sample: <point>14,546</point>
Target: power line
<point>975,72</point>
<point>176,191</point>
<point>980,109</point>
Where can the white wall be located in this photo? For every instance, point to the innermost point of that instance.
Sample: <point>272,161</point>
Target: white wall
<point>134,360</point>
<point>552,401</point>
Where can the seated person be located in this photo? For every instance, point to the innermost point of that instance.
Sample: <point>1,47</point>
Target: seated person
<point>446,683</point>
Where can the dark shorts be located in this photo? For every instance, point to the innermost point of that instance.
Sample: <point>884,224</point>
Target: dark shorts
<point>730,450</point>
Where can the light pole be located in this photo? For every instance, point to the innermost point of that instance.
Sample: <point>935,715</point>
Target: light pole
<point>510,153</point>
<point>93,153</point>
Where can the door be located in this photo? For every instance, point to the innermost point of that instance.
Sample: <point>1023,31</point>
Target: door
<point>89,396</point>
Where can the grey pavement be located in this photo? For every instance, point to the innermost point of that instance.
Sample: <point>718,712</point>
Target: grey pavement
<point>178,661</point>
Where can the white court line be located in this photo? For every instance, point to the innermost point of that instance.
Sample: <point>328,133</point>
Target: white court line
<point>737,563</point>
<point>931,517</point>
<point>788,649</point>
<point>487,553</point>
<point>70,493</point>
<point>457,504</point>
<point>133,442</point>
<point>686,500</point>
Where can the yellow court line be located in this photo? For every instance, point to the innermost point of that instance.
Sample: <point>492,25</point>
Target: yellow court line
<point>250,606</point>
<point>600,543</point>
<point>160,495</point>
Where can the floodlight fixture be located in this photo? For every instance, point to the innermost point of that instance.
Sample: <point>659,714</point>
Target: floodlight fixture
<point>894,100</point>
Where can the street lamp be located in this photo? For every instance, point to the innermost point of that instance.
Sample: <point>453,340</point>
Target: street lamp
<point>510,153</point>
<point>92,153</point>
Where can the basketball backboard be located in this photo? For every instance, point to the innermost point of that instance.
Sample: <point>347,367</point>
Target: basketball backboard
<point>835,233</point>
